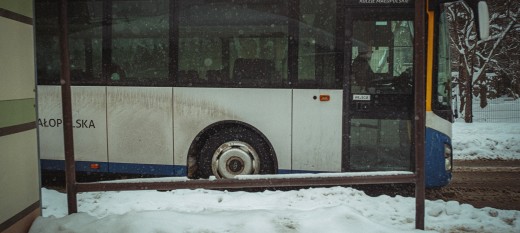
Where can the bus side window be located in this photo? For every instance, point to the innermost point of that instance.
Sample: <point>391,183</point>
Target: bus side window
<point>254,71</point>
<point>117,73</point>
<point>84,41</point>
<point>317,54</point>
<point>188,76</point>
<point>216,36</point>
<point>217,76</point>
<point>140,39</point>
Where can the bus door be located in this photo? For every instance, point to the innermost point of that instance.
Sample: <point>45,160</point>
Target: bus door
<point>379,89</point>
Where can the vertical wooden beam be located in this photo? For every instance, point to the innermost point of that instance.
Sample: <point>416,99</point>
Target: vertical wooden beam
<point>420,108</point>
<point>70,169</point>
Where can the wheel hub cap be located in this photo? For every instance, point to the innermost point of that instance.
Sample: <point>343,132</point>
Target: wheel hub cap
<point>235,158</point>
<point>235,165</point>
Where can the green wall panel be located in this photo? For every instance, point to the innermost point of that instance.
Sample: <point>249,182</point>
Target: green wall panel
<point>16,112</point>
<point>23,7</point>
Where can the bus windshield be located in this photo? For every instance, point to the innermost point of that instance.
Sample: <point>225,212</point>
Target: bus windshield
<point>443,100</point>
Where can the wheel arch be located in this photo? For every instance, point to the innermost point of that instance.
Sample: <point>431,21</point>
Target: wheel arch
<point>201,138</point>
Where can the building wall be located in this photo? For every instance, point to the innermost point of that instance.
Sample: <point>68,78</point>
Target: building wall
<point>19,169</point>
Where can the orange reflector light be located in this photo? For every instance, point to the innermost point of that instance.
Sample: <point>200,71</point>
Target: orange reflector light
<point>324,97</point>
<point>94,166</point>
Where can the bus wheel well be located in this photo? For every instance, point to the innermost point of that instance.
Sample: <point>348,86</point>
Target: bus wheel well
<point>194,152</point>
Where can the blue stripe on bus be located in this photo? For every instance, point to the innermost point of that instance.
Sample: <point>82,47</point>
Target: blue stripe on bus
<point>125,168</point>
<point>435,171</point>
<point>133,168</point>
<point>84,166</point>
<point>148,169</point>
<point>287,171</point>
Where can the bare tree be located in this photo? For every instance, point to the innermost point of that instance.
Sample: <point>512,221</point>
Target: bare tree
<point>476,57</point>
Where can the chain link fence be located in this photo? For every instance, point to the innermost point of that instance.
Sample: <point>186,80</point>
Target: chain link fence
<point>500,110</point>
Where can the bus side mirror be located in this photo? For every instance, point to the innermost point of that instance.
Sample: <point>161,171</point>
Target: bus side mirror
<point>481,13</point>
<point>483,20</point>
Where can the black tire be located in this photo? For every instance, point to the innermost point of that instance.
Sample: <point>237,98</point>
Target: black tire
<point>240,135</point>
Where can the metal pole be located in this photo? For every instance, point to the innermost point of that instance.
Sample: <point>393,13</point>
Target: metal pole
<point>257,182</point>
<point>70,169</point>
<point>420,108</point>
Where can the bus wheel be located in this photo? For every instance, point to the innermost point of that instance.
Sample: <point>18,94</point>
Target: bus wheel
<point>234,158</point>
<point>235,151</point>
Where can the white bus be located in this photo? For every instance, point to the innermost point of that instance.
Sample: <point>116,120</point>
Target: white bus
<point>203,88</point>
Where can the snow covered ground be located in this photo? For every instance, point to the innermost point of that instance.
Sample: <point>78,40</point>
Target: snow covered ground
<point>486,141</point>
<point>328,210</point>
<point>495,133</point>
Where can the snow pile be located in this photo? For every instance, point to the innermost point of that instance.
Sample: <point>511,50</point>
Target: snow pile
<point>486,141</point>
<point>328,210</point>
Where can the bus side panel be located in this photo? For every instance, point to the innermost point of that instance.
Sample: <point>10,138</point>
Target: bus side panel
<point>140,129</point>
<point>88,121</point>
<point>317,130</point>
<point>268,110</point>
<point>438,133</point>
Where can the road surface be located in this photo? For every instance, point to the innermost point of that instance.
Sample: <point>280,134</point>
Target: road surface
<point>483,184</point>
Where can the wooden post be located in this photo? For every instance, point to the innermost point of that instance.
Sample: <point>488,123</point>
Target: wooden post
<point>420,108</point>
<point>70,169</point>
